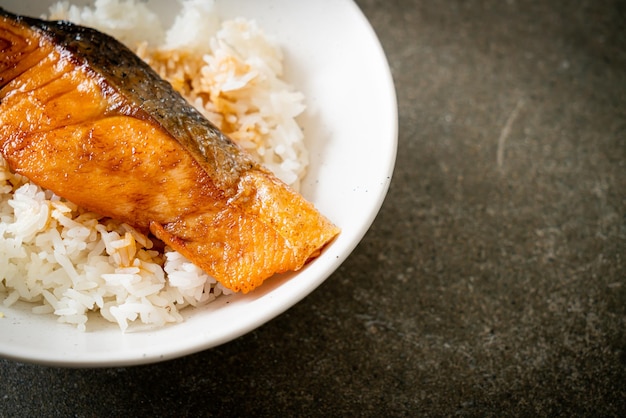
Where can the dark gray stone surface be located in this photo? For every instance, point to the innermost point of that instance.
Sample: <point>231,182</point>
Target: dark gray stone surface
<point>492,283</point>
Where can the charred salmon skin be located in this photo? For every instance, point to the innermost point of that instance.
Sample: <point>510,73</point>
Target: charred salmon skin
<point>83,116</point>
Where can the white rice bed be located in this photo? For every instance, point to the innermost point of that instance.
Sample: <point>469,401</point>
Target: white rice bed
<point>74,264</point>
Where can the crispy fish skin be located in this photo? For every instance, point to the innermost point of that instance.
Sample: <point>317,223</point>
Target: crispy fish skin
<point>83,116</point>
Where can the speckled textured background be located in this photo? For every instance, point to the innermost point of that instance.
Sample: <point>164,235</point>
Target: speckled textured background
<point>492,283</point>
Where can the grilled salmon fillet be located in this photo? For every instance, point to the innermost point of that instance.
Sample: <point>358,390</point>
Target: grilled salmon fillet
<point>83,116</point>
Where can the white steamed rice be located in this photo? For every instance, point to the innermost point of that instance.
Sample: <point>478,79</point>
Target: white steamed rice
<point>73,263</point>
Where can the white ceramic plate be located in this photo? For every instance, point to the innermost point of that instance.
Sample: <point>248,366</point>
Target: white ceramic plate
<point>334,57</point>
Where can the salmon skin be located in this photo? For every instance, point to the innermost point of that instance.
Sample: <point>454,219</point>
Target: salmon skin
<point>83,116</point>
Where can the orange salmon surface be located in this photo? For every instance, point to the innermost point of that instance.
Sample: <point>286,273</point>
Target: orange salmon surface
<point>83,116</point>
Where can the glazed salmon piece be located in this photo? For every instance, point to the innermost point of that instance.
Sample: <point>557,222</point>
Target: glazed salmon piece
<point>82,116</point>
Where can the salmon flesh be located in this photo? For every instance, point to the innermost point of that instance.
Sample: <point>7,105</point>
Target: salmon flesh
<point>83,116</point>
